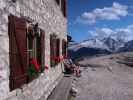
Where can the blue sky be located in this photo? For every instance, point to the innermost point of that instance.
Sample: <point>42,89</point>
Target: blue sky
<point>97,17</point>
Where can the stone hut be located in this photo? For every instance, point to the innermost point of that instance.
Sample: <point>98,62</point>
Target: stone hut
<point>33,43</point>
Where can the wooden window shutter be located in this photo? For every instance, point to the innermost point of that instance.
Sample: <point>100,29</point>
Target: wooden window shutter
<point>58,49</point>
<point>63,7</point>
<point>57,1</point>
<point>52,50</point>
<point>42,47</point>
<point>64,48</point>
<point>17,52</point>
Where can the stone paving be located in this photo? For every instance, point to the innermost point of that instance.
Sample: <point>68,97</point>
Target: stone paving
<point>99,83</point>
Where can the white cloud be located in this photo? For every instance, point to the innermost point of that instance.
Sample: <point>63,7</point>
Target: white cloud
<point>101,33</point>
<point>125,34</point>
<point>107,13</point>
<point>108,31</point>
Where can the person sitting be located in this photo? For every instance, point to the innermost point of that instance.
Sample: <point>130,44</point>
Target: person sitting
<point>68,66</point>
<point>71,68</point>
<point>77,71</point>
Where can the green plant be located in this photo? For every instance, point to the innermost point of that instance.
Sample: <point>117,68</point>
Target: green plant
<point>32,72</point>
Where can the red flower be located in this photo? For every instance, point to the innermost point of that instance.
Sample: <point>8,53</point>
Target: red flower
<point>56,59</point>
<point>35,64</point>
<point>46,67</point>
<point>53,58</point>
<point>59,59</point>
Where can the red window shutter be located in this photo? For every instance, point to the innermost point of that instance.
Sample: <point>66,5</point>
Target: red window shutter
<point>18,54</point>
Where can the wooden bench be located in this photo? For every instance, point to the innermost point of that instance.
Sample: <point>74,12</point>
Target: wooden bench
<point>61,91</point>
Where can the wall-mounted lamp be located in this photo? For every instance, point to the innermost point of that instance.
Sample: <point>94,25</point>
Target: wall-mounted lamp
<point>36,29</point>
<point>54,35</point>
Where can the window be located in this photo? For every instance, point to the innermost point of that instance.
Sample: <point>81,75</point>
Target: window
<point>54,50</point>
<point>30,36</point>
<point>36,46</point>
<point>24,44</point>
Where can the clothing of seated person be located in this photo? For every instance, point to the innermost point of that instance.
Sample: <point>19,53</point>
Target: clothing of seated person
<point>68,65</point>
<point>77,71</point>
<point>68,61</point>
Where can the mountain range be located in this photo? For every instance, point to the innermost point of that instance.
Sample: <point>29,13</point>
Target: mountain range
<point>99,46</point>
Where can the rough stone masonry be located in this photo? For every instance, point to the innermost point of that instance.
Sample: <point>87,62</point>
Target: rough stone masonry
<point>50,18</point>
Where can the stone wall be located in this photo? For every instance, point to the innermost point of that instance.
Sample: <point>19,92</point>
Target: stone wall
<point>50,18</point>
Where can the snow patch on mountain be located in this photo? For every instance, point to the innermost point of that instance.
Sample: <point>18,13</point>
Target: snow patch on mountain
<point>106,43</point>
<point>90,43</point>
<point>106,38</point>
